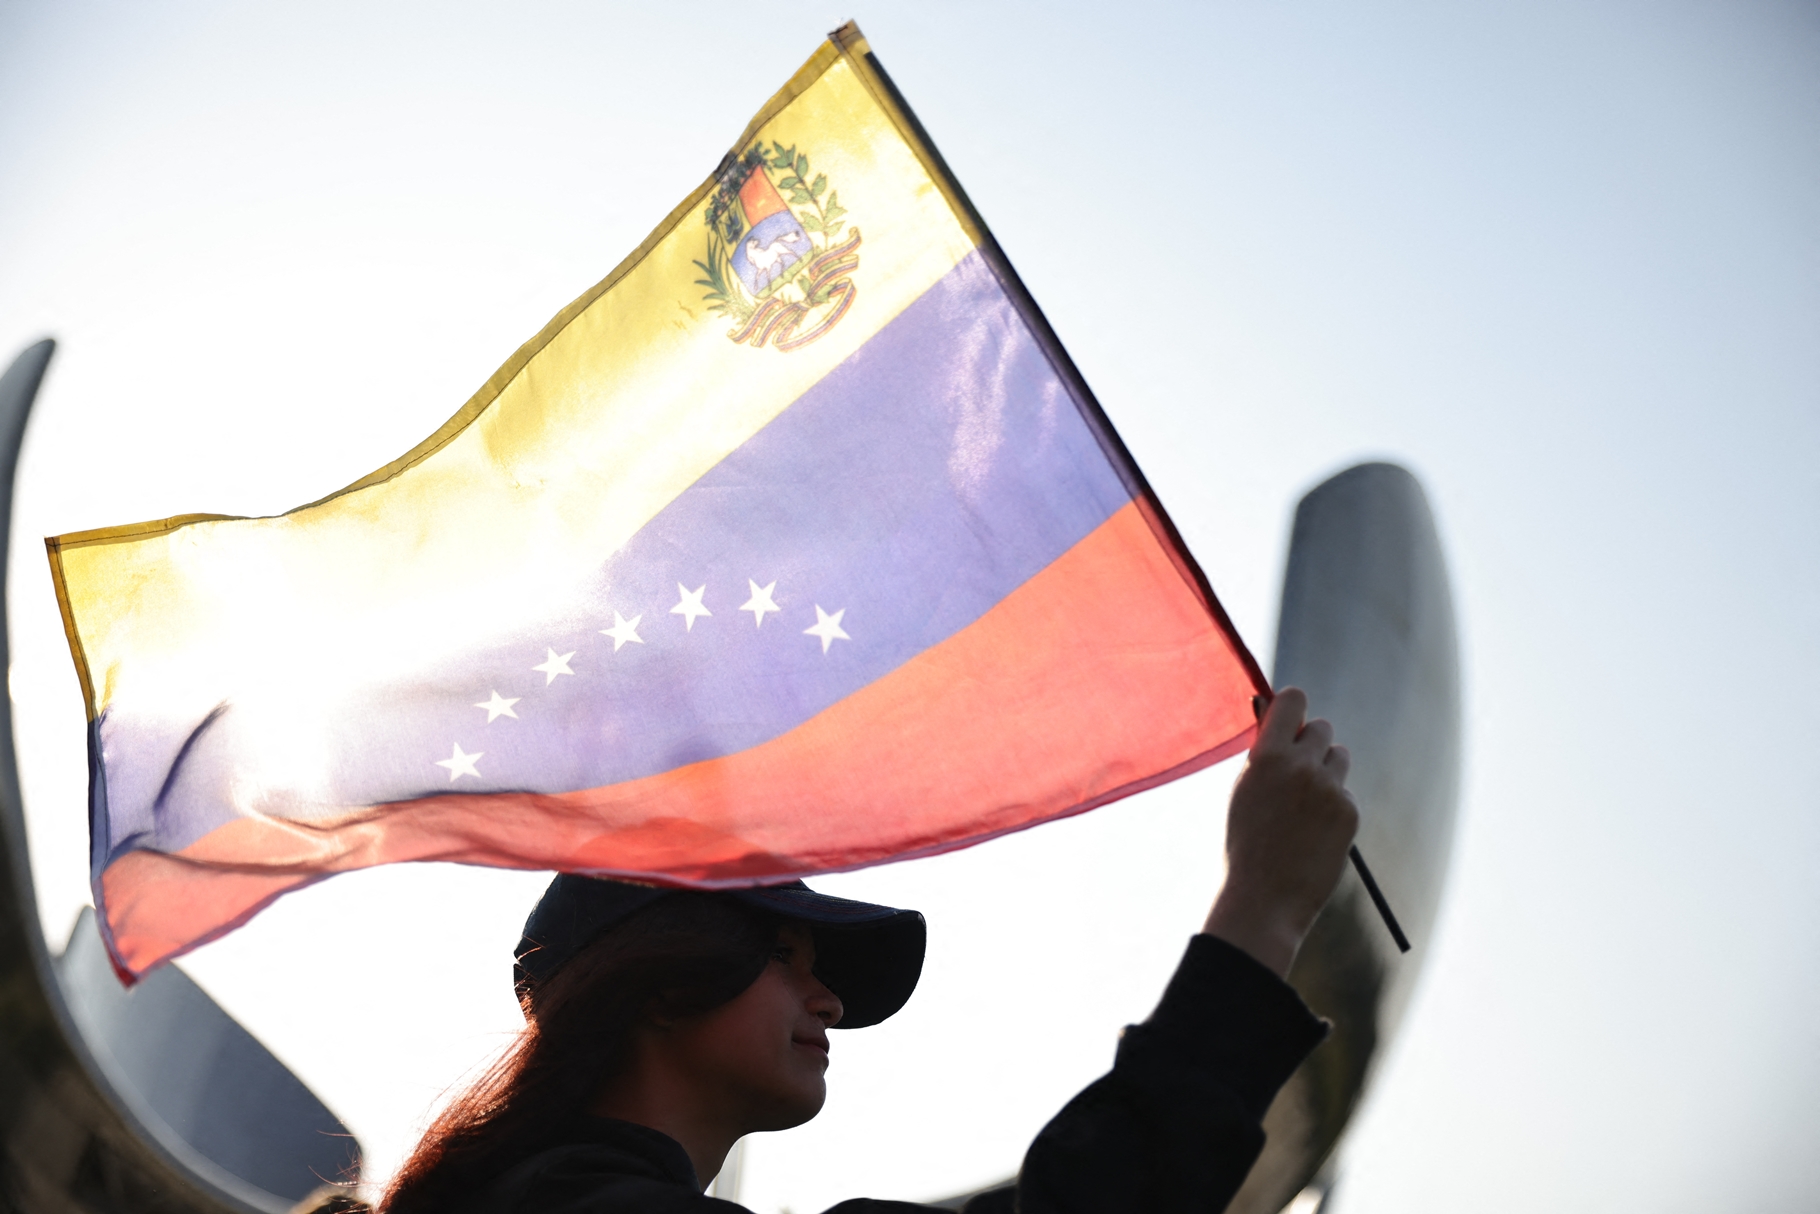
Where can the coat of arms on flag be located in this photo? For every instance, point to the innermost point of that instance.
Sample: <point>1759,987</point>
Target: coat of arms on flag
<point>654,604</point>
<point>778,267</point>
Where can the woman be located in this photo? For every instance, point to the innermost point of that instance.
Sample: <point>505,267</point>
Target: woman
<point>663,1025</point>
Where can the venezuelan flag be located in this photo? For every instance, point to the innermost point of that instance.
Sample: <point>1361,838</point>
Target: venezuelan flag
<point>795,545</point>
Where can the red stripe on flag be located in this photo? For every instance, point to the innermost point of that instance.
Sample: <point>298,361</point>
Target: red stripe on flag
<point>1099,677</point>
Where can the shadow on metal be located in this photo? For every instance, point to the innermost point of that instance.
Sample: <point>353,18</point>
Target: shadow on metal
<point>109,1124</point>
<point>1367,629</point>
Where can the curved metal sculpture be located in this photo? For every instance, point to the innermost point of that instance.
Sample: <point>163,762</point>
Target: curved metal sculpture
<point>104,1123</point>
<point>195,1075</point>
<point>1367,629</point>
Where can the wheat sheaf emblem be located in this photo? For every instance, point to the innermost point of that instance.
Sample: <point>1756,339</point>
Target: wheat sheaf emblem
<point>777,262</point>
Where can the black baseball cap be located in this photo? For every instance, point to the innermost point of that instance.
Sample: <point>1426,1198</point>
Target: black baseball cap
<point>871,956</point>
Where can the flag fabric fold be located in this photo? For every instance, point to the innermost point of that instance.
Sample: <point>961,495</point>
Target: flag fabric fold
<point>795,545</point>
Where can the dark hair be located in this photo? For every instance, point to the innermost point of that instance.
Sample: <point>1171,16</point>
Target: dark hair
<point>682,955</point>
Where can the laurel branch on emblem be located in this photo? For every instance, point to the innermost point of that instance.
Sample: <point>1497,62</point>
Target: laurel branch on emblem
<point>777,265</point>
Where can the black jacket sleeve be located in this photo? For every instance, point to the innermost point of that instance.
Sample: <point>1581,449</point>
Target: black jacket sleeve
<point>1176,1124</point>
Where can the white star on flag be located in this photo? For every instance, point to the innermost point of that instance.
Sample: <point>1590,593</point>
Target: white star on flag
<point>553,666</point>
<point>827,627</point>
<point>460,764</point>
<point>624,630</point>
<point>499,706</point>
<point>760,602</point>
<point>690,606</point>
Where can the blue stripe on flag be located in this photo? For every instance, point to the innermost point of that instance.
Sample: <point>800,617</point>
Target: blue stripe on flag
<point>932,473</point>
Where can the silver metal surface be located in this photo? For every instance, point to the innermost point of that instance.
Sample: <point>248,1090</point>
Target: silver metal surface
<point>1367,629</point>
<point>201,1082</point>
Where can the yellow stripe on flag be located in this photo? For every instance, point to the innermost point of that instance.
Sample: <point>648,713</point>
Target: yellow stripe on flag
<point>630,395</point>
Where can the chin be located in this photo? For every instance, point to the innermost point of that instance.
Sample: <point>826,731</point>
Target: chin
<point>808,1102</point>
<point>797,1107</point>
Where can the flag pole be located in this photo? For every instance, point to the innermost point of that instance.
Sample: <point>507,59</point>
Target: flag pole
<point>1377,899</point>
<point>1258,704</point>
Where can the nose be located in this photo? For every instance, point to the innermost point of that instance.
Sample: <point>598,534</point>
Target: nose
<point>824,1004</point>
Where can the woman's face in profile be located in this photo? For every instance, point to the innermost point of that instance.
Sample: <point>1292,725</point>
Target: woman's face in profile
<point>764,1056</point>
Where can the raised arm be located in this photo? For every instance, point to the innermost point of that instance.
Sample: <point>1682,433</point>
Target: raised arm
<point>1176,1124</point>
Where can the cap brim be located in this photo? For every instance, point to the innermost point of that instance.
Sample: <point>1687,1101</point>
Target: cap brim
<point>869,955</point>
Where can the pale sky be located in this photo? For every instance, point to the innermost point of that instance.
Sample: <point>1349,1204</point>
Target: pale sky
<point>1560,258</point>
